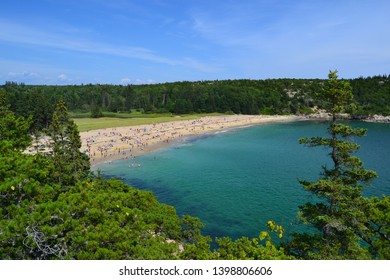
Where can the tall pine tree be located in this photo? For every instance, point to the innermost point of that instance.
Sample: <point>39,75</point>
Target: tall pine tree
<point>70,164</point>
<point>341,214</point>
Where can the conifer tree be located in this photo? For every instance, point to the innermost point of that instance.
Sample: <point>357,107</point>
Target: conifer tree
<point>70,164</point>
<point>340,214</point>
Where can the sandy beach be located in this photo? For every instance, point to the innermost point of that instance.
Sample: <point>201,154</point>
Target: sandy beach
<point>106,145</point>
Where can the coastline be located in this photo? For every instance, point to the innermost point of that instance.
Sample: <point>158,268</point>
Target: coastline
<point>106,145</point>
<point>328,116</point>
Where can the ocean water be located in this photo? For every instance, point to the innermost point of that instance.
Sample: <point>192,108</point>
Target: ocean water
<point>236,180</point>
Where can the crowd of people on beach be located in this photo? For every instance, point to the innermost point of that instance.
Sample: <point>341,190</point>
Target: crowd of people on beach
<point>105,145</point>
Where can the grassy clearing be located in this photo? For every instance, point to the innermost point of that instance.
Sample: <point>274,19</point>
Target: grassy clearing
<point>134,114</point>
<point>85,124</point>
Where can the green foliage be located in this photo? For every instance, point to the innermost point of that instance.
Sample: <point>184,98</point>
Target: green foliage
<point>238,96</point>
<point>70,164</point>
<point>272,227</point>
<point>195,245</point>
<point>51,209</point>
<point>336,94</point>
<point>91,218</point>
<point>24,184</point>
<point>13,130</point>
<point>105,219</point>
<point>345,229</point>
<point>377,230</point>
<point>96,112</point>
<point>96,219</point>
<point>371,95</point>
<point>252,249</point>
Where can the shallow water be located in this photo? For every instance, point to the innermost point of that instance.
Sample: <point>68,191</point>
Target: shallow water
<point>237,180</point>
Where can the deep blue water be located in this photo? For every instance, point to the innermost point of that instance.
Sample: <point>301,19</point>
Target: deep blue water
<point>237,180</point>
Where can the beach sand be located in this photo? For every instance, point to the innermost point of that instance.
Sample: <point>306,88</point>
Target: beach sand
<point>106,145</point>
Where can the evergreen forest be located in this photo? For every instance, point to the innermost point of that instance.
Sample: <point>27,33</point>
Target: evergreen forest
<point>371,95</point>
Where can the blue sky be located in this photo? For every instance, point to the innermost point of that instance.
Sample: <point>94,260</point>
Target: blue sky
<point>156,41</point>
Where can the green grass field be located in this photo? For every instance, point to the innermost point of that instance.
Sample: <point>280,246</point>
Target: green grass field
<point>126,119</point>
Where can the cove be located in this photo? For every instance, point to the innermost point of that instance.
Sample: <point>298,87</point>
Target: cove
<point>238,179</point>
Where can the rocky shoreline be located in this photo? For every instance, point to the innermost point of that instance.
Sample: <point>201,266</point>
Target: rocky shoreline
<point>377,119</point>
<point>371,118</point>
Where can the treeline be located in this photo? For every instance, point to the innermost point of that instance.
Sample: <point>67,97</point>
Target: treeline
<point>272,96</point>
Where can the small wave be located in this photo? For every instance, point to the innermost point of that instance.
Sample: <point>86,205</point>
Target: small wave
<point>245,126</point>
<point>222,131</point>
<point>134,165</point>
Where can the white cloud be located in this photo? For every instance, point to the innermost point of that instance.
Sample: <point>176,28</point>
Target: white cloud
<point>62,77</point>
<point>125,81</point>
<point>22,77</point>
<point>15,33</point>
<point>143,82</point>
<point>24,74</point>
<point>25,35</point>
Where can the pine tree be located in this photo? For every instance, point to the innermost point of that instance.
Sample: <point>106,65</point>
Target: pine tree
<point>70,164</point>
<point>341,215</point>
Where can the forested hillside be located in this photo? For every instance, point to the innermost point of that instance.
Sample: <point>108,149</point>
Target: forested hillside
<point>273,96</point>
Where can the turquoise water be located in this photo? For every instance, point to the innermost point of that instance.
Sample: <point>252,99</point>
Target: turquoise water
<point>237,180</point>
